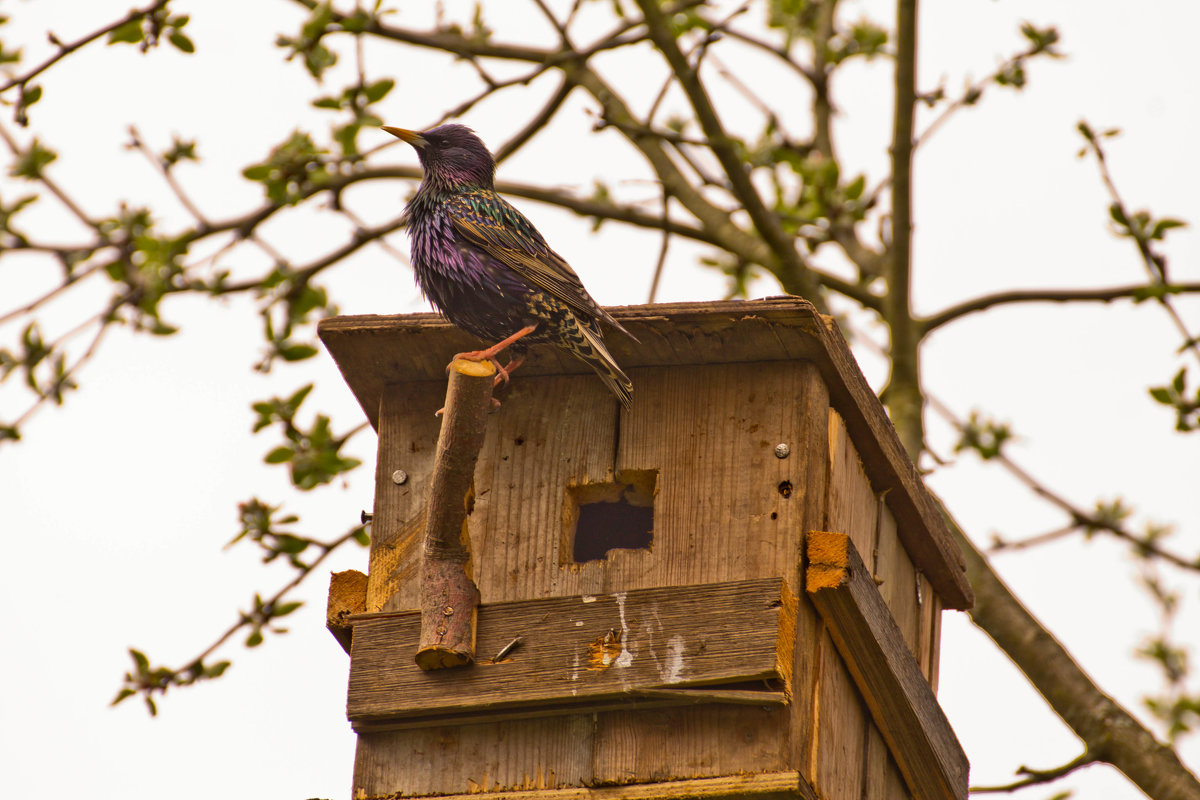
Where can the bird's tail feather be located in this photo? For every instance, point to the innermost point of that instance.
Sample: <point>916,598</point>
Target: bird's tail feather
<point>605,366</point>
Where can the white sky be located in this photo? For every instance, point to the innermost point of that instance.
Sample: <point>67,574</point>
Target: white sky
<point>114,509</point>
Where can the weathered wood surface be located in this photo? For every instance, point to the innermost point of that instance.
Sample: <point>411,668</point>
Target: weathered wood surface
<point>727,508</point>
<point>374,352</point>
<point>580,649</point>
<point>347,597</point>
<point>784,785</point>
<point>404,465</point>
<point>883,667</point>
<point>881,777</point>
<point>702,741</point>
<point>550,434</point>
<point>526,754</point>
<point>854,509</point>
<point>449,597</point>
<point>840,723</point>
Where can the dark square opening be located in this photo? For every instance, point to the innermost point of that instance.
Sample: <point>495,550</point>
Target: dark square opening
<point>611,516</point>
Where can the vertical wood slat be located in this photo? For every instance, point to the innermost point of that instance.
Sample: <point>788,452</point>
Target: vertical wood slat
<point>550,433</point>
<point>840,719</point>
<point>884,669</point>
<point>881,777</point>
<point>727,508</point>
<point>841,724</point>
<point>813,416</point>
<point>408,433</point>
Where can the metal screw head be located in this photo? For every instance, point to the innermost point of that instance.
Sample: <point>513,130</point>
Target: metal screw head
<point>782,450</point>
<point>399,477</point>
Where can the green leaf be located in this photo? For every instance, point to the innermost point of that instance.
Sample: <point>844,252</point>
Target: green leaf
<point>254,639</point>
<point>279,455</point>
<point>1163,395</point>
<point>30,163</point>
<point>1118,215</point>
<point>290,544</point>
<point>216,670</point>
<point>31,95</point>
<point>297,352</point>
<point>1164,225</point>
<point>331,103</point>
<point>378,90</point>
<point>258,172</point>
<point>124,694</point>
<point>283,609</point>
<point>181,41</point>
<point>131,32</point>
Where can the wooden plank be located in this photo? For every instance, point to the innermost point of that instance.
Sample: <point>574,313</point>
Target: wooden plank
<point>526,755</point>
<point>898,583</point>
<point>852,506</point>
<point>727,508</point>
<point>841,723</point>
<point>881,777</point>
<point>574,650</point>
<point>813,463</point>
<point>689,742</point>
<point>931,634</point>
<point>347,597</point>
<point>407,443</point>
<point>373,352</point>
<point>550,434</point>
<point>784,785</point>
<point>882,665</point>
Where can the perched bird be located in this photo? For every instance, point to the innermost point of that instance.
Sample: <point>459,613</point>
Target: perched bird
<point>488,270</point>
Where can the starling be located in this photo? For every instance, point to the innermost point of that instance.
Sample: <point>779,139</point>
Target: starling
<point>487,269</point>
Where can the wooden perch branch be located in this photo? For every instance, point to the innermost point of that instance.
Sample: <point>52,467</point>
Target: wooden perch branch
<point>449,598</point>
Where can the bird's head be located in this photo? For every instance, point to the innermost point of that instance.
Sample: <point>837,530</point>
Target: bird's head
<point>451,154</point>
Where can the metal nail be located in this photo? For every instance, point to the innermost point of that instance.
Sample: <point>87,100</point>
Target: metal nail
<point>782,450</point>
<point>399,477</point>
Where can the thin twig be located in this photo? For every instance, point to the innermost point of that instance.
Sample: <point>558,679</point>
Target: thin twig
<point>1039,776</point>
<point>70,47</point>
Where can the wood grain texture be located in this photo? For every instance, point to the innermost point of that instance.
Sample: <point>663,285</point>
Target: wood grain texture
<point>374,352</point>
<point>407,442</point>
<point>840,721</point>
<point>786,785</point>
<point>852,506</point>
<point>525,755</point>
<point>727,508</point>
<point>550,434</point>
<point>347,596</point>
<point>813,462</point>
<point>881,777</point>
<point>898,584</point>
<point>691,742</point>
<point>883,667</point>
<point>578,650</point>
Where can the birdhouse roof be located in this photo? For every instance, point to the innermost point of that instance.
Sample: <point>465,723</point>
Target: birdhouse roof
<point>377,351</point>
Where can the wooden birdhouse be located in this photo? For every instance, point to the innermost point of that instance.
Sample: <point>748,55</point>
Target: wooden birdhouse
<point>732,589</point>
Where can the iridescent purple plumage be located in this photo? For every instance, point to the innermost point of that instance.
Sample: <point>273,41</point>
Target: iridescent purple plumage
<point>486,268</point>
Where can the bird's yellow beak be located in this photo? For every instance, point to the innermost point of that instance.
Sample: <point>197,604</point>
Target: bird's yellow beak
<point>412,137</point>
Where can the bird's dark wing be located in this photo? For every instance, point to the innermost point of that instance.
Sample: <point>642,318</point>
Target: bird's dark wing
<point>486,221</point>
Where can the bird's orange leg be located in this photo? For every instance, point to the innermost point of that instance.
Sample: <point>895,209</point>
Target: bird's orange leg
<point>499,347</point>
